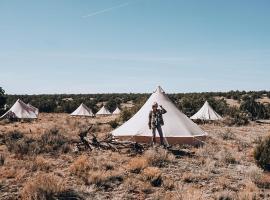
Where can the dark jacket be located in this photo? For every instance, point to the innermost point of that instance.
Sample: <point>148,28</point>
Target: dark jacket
<point>156,119</point>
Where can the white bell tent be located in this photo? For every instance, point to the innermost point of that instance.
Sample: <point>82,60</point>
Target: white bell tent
<point>103,111</point>
<point>117,111</point>
<point>36,111</point>
<point>20,111</point>
<point>83,110</point>
<point>206,113</point>
<point>177,129</point>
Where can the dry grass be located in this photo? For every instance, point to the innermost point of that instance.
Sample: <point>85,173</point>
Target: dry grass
<point>226,157</point>
<point>137,164</point>
<point>137,186</point>
<point>158,157</point>
<point>41,164</point>
<point>80,166</point>
<point>263,182</point>
<point>153,174</point>
<point>223,168</point>
<point>43,186</point>
<point>192,177</point>
<point>168,183</point>
<point>254,174</point>
<point>225,195</point>
<point>104,179</point>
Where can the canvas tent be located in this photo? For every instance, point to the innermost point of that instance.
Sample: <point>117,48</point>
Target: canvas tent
<point>117,111</point>
<point>36,111</point>
<point>206,113</point>
<point>21,111</point>
<point>83,110</point>
<point>103,111</point>
<point>178,128</point>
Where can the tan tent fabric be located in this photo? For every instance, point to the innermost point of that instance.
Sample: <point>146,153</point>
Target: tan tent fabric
<point>103,111</point>
<point>21,111</point>
<point>117,111</point>
<point>36,111</point>
<point>178,128</point>
<point>83,110</point>
<point>206,113</point>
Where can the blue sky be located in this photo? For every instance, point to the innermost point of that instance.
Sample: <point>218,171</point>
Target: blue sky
<point>90,46</point>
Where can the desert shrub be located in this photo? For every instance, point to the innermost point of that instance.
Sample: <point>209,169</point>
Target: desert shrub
<point>80,166</point>
<point>40,163</point>
<point>134,185</point>
<point>22,146</point>
<point>254,174</point>
<point>263,182</point>
<point>236,117</point>
<point>258,139</point>
<point>125,115</point>
<point>227,135</point>
<point>226,157</point>
<point>3,99</point>
<point>168,183</point>
<point>43,186</point>
<point>225,195</point>
<point>13,136</point>
<point>262,153</point>
<point>52,141</point>
<point>137,164</point>
<point>114,124</point>
<point>158,157</point>
<point>2,159</point>
<point>254,108</point>
<point>194,177</point>
<point>104,179</point>
<point>153,174</point>
<point>96,128</point>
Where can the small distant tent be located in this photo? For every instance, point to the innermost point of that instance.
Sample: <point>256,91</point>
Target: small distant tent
<point>36,111</point>
<point>20,111</point>
<point>206,113</point>
<point>83,110</point>
<point>117,111</point>
<point>177,129</point>
<point>103,111</point>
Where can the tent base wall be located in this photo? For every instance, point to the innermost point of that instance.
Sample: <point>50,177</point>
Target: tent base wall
<point>196,140</point>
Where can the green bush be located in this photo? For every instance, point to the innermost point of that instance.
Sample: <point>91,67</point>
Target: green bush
<point>2,100</point>
<point>125,115</point>
<point>262,153</point>
<point>236,118</point>
<point>255,109</point>
<point>114,124</point>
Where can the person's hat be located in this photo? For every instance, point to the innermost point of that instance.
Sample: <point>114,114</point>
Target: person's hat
<point>155,104</point>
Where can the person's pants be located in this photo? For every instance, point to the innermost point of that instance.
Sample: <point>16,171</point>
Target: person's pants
<point>159,129</point>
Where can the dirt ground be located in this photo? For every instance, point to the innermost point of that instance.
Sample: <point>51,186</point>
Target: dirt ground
<point>223,168</point>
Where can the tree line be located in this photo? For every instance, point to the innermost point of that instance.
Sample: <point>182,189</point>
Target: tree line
<point>188,103</point>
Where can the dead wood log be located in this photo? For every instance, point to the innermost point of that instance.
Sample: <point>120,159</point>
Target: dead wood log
<point>90,141</point>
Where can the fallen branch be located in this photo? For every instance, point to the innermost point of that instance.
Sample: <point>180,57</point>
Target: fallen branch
<point>89,141</point>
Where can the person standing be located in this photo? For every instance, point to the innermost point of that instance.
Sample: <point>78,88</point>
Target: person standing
<point>156,122</point>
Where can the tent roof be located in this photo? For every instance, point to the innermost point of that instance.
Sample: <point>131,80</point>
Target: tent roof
<point>83,110</point>
<point>21,110</point>
<point>176,123</point>
<point>206,113</point>
<point>116,111</point>
<point>36,111</point>
<point>103,111</point>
